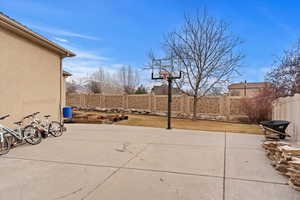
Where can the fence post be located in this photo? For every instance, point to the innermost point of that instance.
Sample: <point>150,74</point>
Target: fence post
<point>103,101</point>
<point>182,103</point>
<point>227,107</point>
<point>99,101</point>
<point>125,101</point>
<point>188,104</point>
<point>86,100</point>
<point>149,102</point>
<point>224,106</point>
<point>81,99</point>
<point>154,104</point>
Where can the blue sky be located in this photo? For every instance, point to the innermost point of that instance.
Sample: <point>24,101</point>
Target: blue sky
<point>114,33</point>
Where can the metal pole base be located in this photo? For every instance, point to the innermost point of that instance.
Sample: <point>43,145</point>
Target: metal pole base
<point>169,102</point>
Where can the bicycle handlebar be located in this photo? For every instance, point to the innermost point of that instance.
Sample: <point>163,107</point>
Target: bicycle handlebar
<point>28,116</point>
<point>36,113</point>
<point>32,115</point>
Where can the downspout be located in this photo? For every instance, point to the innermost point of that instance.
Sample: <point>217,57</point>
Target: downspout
<point>60,90</point>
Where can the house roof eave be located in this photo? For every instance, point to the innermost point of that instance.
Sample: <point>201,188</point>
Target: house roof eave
<point>25,32</point>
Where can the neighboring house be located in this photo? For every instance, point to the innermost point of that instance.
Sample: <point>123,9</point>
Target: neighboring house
<point>246,89</point>
<point>31,72</point>
<point>163,90</point>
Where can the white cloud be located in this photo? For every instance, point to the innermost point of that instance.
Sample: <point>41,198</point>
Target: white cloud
<point>61,32</point>
<point>82,53</point>
<point>81,68</point>
<point>86,61</point>
<point>88,55</point>
<point>61,40</point>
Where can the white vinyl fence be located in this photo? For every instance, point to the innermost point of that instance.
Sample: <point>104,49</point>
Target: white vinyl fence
<point>288,108</point>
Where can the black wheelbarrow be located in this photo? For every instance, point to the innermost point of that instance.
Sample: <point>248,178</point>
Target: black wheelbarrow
<point>276,127</point>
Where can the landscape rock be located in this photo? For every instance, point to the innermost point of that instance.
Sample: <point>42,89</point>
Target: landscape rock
<point>285,159</point>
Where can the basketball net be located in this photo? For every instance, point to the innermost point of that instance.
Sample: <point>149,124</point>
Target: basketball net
<point>164,75</point>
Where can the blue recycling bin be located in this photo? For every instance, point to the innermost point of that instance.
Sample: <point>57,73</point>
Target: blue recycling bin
<point>68,112</point>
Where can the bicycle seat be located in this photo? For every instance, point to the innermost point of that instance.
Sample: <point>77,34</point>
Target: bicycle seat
<point>18,123</point>
<point>2,118</point>
<point>47,116</point>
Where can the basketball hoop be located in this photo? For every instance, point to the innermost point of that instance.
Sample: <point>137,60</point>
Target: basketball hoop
<point>164,75</point>
<point>166,69</point>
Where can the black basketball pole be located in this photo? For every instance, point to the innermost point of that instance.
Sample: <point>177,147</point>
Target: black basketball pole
<point>169,102</point>
<point>170,80</point>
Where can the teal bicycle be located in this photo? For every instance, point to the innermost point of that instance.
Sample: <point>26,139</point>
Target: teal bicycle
<point>29,133</point>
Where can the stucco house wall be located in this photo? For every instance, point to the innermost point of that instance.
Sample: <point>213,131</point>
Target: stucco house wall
<point>288,108</point>
<point>250,92</point>
<point>251,89</point>
<point>30,77</point>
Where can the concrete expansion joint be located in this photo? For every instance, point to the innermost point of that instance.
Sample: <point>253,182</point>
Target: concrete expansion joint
<point>70,194</point>
<point>258,181</point>
<point>172,172</point>
<point>187,145</point>
<point>113,173</point>
<point>141,169</point>
<point>224,165</point>
<point>60,162</point>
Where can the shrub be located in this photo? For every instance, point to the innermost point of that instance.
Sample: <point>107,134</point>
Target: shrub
<point>259,107</point>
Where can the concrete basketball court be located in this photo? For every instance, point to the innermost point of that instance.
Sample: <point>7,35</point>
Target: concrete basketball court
<point>113,162</point>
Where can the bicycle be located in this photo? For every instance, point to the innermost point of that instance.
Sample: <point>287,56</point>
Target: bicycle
<point>30,134</point>
<point>46,126</point>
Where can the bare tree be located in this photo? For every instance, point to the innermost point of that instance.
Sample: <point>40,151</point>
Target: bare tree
<point>71,87</point>
<point>81,83</point>
<point>141,90</point>
<point>286,69</point>
<point>259,107</point>
<point>128,78</point>
<point>99,75</point>
<point>96,81</point>
<point>94,87</point>
<point>100,81</point>
<point>207,51</point>
<point>216,91</point>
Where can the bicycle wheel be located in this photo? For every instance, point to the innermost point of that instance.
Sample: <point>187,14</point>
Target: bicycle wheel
<point>55,129</point>
<point>32,134</point>
<point>4,146</point>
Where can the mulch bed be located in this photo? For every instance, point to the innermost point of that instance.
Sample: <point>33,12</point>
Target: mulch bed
<point>81,117</point>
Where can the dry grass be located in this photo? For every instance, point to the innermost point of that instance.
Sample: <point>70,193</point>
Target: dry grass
<point>203,125</point>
